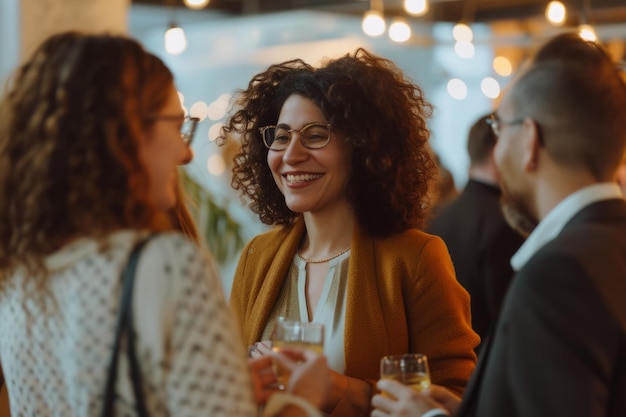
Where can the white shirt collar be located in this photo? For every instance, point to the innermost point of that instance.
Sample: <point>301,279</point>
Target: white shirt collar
<point>557,218</point>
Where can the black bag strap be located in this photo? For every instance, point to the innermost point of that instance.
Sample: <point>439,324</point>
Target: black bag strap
<point>125,326</point>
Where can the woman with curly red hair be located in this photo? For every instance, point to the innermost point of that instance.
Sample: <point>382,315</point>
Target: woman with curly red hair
<point>91,136</point>
<point>338,157</point>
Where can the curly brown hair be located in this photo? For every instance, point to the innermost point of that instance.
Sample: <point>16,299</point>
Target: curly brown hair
<point>70,125</point>
<point>384,115</point>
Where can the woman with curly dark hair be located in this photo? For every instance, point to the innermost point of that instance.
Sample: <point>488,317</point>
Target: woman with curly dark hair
<point>338,157</point>
<point>91,136</point>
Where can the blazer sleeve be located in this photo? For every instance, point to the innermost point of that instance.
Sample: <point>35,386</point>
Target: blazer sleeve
<point>557,343</point>
<point>438,316</point>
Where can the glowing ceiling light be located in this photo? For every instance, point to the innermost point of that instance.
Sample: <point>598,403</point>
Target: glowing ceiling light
<point>175,40</point>
<point>416,7</point>
<point>502,66</point>
<point>556,13</point>
<point>373,23</point>
<point>196,4</point>
<point>457,89</point>
<point>199,109</point>
<point>490,87</point>
<point>216,165</point>
<point>464,49</point>
<point>587,33</point>
<point>462,32</point>
<point>215,130</point>
<point>399,31</point>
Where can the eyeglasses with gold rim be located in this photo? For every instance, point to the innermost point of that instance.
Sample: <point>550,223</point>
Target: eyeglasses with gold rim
<point>312,136</point>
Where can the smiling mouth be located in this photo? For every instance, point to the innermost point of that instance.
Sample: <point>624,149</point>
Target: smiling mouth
<point>300,178</point>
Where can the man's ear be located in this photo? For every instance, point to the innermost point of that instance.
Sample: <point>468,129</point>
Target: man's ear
<point>531,139</point>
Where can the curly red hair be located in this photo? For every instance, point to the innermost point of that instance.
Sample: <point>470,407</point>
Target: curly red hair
<point>69,129</point>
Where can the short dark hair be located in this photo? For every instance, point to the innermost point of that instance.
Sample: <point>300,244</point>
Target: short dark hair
<point>480,141</point>
<point>579,109</point>
<point>569,46</point>
<point>384,117</point>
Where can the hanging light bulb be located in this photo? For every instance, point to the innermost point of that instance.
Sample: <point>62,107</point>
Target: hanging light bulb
<point>556,13</point>
<point>457,89</point>
<point>196,4</point>
<point>464,49</point>
<point>416,7</point>
<point>502,66</point>
<point>399,31</point>
<point>373,23</point>
<point>462,32</point>
<point>175,40</point>
<point>588,33</point>
<point>490,87</point>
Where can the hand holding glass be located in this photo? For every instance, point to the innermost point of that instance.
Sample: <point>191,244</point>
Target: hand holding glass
<point>295,335</point>
<point>410,369</point>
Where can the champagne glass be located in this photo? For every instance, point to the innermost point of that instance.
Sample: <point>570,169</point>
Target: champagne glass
<point>295,334</point>
<point>410,369</point>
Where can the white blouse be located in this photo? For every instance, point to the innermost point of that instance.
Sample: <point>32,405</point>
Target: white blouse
<point>55,349</point>
<point>330,311</point>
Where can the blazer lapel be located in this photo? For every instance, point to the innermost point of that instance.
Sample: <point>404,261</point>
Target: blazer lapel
<point>275,276</point>
<point>364,317</point>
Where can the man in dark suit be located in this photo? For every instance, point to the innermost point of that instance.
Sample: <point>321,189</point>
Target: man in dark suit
<point>559,348</point>
<point>479,239</point>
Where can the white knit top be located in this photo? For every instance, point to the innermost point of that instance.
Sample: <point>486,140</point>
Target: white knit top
<point>54,350</point>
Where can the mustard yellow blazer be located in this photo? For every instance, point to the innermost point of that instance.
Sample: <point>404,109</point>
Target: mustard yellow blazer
<point>402,296</point>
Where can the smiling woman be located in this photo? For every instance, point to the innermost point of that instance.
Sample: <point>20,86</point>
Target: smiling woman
<point>338,157</point>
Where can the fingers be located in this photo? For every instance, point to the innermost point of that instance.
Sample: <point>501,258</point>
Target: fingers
<point>406,401</point>
<point>447,398</point>
<point>261,363</point>
<point>263,378</point>
<point>379,413</point>
<point>260,349</point>
<point>382,404</point>
<point>395,388</point>
<point>289,357</point>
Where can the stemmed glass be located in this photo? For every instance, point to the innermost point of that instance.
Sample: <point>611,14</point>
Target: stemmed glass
<point>295,334</point>
<point>410,369</point>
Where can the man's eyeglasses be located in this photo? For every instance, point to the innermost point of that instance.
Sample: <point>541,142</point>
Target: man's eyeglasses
<point>312,136</point>
<point>187,129</point>
<point>497,124</point>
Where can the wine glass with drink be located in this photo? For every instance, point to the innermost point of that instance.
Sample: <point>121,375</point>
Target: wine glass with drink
<point>410,369</point>
<point>295,334</point>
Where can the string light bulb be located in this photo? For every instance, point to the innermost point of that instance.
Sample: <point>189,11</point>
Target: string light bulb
<point>399,31</point>
<point>175,40</point>
<point>462,32</point>
<point>196,4</point>
<point>416,7</point>
<point>373,23</point>
<point>588,33</point>
<point>464,49</point>
<point>556,13</point>
<point>502,66</point>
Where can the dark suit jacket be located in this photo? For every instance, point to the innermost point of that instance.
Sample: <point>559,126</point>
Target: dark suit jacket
<point>559,348</point>
<point>481,244</point>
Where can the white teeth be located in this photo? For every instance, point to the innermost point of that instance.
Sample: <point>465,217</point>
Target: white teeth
<point>302,177</point>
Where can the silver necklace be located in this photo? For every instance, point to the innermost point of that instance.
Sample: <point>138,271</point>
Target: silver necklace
<point>321,261</point>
